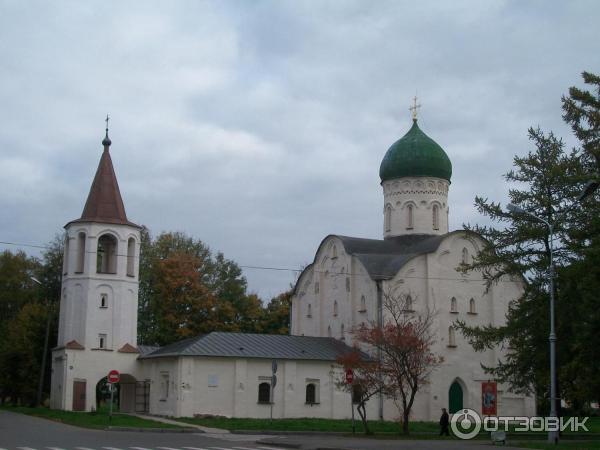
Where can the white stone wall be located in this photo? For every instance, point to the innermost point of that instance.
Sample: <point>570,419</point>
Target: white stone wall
<point>229,387</point>
<point>421,194</point>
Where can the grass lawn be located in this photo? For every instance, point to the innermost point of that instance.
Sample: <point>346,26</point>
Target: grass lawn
<point>87,420</point>
<point>564,445</point>
<point>308,424</point>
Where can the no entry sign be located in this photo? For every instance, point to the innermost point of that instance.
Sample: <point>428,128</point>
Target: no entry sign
<point>349,376</point>
<point>113,376</point>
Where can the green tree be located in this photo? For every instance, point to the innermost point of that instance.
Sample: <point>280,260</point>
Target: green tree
<point>276,318</point>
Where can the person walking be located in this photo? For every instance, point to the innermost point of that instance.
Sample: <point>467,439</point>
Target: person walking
<point>444,421</point>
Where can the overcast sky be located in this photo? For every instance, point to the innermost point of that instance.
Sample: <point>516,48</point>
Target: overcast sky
<point>258,127</point>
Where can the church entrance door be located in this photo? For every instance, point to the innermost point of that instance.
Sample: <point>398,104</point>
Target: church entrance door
<point>79,395</point>
<point>455,397</point>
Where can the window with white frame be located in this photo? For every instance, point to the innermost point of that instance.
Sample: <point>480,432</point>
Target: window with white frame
<point>164,386</point>
<point>453,305</point>
<point>472,309</point>
<point>451,337</point>
<point>363,304</point>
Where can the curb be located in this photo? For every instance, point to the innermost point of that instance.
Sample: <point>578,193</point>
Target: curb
<point>291,433</point>
<point>155,430</point>
<point>279,444</point>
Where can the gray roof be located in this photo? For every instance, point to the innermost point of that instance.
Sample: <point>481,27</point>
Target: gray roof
<point>145,349</point>
<point>255,346</point>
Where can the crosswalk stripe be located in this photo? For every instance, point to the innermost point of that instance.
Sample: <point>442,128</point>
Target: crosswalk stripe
<point>193,448</point>
<point>167,448</point>
<point>139,448</point>
<point>270,448</point>
<point>112,448</point>
<point>245,448</point>
<point>84,448</point>
<point>26,448</point>
<point>53,448</point>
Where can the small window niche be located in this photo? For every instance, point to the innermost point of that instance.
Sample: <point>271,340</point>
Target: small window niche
<point>264,392</point>
<point>342,333</point>
<point>309,310</point>
<point>164,386</point>
<point>102,341</point>
<point>472,306</point>
<point>104,301</point>
<point>106,257</point>
<point>388,218</point>
<point>347,284</point>
<point>410,218</point>
<point>80,262</point>
<point>451,337</point>
<point>66,259</point>
<point>312,392</point>
<point>335,308</point>
<point>408,304</point>
<point>465,256</point>
<point>317,287</point>
<point>453,306</point>
<point>363,304</point>
<point>436,217</point>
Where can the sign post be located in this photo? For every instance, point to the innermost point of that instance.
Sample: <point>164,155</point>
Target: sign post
<point>112,378</point>
<point>349,381</point>
<point>273,383</point>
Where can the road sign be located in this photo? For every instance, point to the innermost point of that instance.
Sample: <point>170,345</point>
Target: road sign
<point>113,376</point>
<point>274,366</point>
<point>349,376</point>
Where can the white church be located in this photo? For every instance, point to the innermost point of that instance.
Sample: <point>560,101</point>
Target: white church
<point>230,374</point>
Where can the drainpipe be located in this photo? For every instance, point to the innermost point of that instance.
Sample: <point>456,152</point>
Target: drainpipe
<point>380,324</point>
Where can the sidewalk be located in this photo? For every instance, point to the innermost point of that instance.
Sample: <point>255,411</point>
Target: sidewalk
<point>200,428</point>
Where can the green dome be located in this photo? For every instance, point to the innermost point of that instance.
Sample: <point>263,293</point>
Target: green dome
<point>415,155</point>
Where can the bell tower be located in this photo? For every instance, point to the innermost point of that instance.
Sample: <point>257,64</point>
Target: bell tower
<point>99,298</point>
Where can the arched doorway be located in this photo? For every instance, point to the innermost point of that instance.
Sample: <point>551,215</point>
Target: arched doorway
<point>129,395</point>
<point>455,397</point>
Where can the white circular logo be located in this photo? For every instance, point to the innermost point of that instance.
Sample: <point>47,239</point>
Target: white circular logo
<point>466,424</point>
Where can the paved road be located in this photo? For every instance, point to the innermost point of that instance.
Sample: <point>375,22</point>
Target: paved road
<point>21,432</point>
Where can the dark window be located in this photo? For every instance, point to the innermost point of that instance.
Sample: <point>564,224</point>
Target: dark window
<point>311,390</point>
<point>264,393</point>
<point>106,261</point>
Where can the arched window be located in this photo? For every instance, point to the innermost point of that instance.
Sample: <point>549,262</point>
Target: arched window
<point>329,331</point>
<point>264,392</point>
<point>410,220</point>
<point>317,287</point>
<point>335,308</point>
<point>66,259</point>
<point>388,218</point>
<point>106,259</point>
<point>311,393</point>
<point>363,304</point>
<point>451,337</point>
<point>436,217</point>
<point>80,253</point>
<point>408,303</point>
<point>453,306</point>
<point>472,306</point>
<point>131,257</point>
<point>347,284</point>
<point>103,300</point>
<point>334,252</point>
<point>465,255</point>
<point>342,333</point>
<point>309,311</point>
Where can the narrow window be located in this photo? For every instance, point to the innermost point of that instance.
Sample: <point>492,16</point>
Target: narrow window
<point>103,300</point>
<point>453,307</point>
<point>102,341</point>
<point>410,220</point>
<point>309,311</point>
<point>106,260</point>
<point>436,217</point>
<point>264,392</point>
<point>329,331</point>
<point>342,333</point>
<point>472,306</point>
<point>347,284</point>
<point>335,308</point>
<point>164,386</point>
<point>363,304</point>
<point>408,303</point>
<point>311,394</point>
<point>317,287</point>
<point>465,256</point>
<point>334,252</point>
<point>66,259</point>
<point>81,238</point>
<point>388,218</point>
<point>451,337</point>
<point>130,257</point>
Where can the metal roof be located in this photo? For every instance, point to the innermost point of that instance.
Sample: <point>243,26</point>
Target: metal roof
<point>246,345</point>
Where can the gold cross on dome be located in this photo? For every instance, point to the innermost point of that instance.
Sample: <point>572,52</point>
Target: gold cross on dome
<point>414,108</point>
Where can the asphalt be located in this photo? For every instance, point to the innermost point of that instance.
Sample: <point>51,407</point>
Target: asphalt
<point>21,432</point>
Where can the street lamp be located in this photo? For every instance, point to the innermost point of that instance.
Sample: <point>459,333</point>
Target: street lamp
<point>44,355</point>
<point>588,190</point>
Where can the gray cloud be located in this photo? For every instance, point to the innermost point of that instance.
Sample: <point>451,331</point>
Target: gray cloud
<point>259,127</point>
